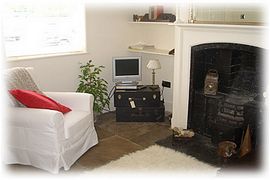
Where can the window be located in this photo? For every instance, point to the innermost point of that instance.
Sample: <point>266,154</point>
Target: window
<point>43,27</point>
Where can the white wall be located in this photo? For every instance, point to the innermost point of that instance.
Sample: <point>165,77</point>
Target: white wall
<point>162,36</point>
<point>108,34</point>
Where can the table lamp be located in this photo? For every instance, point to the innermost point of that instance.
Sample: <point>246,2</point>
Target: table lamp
<point>153,64</point>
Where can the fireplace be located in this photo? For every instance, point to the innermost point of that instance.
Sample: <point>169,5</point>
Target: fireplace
<point>238,42</point>
<point>222,116</point>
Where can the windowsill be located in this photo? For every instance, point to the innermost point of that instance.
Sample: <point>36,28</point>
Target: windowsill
<point>40,56</point>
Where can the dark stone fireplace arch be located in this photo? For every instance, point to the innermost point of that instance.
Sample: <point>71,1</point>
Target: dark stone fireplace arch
<point>222,116</point>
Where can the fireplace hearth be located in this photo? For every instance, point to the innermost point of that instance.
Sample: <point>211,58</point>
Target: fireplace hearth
<point>238,101</point>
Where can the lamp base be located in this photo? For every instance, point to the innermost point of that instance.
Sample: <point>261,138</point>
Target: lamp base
<point>153,87</point>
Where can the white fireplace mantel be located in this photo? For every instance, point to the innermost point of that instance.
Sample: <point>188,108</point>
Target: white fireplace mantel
<point>188,35</point>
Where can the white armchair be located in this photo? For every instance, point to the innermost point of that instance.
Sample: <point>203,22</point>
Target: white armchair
<point>48,139</point>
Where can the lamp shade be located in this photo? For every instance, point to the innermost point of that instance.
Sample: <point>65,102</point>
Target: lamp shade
<point>153,64</point>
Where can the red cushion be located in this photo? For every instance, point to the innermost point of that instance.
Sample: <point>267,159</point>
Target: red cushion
<point>33,99</point>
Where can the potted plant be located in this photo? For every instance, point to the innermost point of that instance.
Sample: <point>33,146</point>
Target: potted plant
<point>91,82</point>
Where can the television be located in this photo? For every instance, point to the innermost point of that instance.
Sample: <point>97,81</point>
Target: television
<point>127,70</point>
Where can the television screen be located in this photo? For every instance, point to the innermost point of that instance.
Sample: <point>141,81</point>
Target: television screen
<point>126,69</point>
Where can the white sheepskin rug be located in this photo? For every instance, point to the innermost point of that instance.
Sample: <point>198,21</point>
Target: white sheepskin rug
<point>158,159</point>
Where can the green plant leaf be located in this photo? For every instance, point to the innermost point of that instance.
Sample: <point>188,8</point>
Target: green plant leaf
<point>91,82</point>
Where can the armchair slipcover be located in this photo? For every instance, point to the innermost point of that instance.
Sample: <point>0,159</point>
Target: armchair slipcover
<point>48,139</point>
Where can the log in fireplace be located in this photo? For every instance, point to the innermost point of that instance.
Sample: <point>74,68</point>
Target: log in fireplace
<point>238,102</point>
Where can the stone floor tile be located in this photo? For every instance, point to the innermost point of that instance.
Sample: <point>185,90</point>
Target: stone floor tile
<point>107,150</point>
<point>157,132</point>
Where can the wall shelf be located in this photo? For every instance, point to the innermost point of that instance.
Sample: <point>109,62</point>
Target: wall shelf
<point>154,23</point>
<point>153,35</point>
<point>163,52</point>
